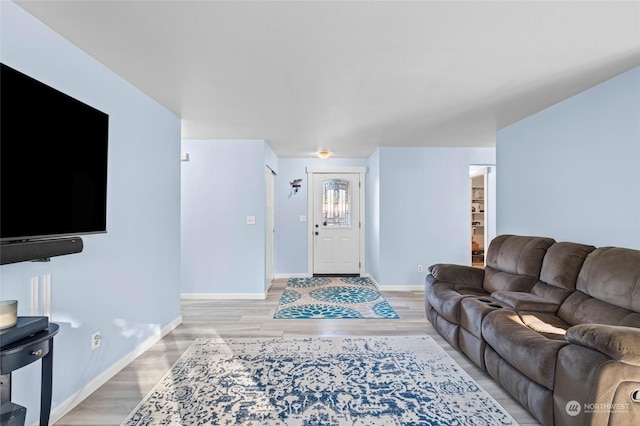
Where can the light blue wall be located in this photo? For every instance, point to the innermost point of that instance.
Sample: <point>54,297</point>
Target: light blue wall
<point>572,171</point>
<point>291,234</point>
<point>222,183</point>
<point>126,282</point>
<point>424,210</point>
<point>417,210</point>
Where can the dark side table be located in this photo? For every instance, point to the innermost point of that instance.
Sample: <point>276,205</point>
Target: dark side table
<point>23,352</point>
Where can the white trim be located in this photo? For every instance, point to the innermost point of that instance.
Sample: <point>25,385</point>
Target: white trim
<point>373,280</point>
<point>363,221</point>
<point>394,287</point>
<point>270,213</point>
<point>76,398</point>
<point>311,171</point>
<point>479,171</point>
<point>223,296</point>
<point>310,213</point>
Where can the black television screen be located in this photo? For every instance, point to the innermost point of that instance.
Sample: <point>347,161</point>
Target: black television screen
<point>53,161</point>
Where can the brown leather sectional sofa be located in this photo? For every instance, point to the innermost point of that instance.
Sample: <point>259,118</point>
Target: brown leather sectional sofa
<point>557,324</point>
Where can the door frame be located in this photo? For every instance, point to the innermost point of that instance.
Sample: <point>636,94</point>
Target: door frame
<point>489,172</point>
<point>270,200</point>
<point>311,172</point>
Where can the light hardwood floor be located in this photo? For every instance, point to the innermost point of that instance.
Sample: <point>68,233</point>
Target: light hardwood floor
<point>112,403</point>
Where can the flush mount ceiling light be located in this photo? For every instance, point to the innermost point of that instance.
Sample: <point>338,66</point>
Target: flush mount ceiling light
<point>324,154</point>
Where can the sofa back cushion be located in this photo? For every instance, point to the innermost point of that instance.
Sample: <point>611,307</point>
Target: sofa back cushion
<point>580,308</point>
<point>612,274</point>
<point>560,269</point>
<point>608,289</point>
<point>514,262</point>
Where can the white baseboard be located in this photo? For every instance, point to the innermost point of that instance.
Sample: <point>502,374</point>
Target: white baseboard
<point>70,403</point>
<point>416,287</point>
<point>287,276</point>
<point>368,275</point>
<point>223,296</point>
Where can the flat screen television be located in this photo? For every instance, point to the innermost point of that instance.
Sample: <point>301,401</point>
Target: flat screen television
<point>53,162</point>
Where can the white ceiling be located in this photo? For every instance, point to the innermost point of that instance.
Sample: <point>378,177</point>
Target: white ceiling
<point>351,76</point>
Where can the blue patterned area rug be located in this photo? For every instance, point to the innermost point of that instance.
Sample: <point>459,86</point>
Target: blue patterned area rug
<point>317,381</point>
<point>333,297</point>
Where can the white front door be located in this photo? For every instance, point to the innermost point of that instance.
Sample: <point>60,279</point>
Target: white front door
<point>336,223</point>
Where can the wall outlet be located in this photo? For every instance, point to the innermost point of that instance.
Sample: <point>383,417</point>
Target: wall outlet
<point>95,340</point>
<point>420,269</point>
<point>251,220</point>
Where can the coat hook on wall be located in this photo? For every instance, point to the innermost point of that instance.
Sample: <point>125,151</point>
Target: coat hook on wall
<point>295,186</point>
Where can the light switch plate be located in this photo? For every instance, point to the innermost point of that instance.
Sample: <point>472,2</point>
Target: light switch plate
<point>303,218</point>
<point>251,220</point>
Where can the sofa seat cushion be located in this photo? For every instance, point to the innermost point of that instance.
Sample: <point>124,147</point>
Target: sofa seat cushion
<point>549,325</point>
<point>445,298</point>
<point>531,353</point>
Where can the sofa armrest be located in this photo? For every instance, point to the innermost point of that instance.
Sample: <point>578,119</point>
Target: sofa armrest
<point>521,301</point>
<point>618,342</point>
<point>457,274</point>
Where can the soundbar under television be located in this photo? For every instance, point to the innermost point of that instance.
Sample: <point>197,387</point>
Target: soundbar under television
<point>53,162</point>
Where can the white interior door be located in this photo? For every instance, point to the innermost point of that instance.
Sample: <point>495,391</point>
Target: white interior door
<point>336,223</point>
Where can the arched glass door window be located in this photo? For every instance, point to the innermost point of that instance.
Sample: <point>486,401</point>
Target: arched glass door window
<point>336,203</point>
